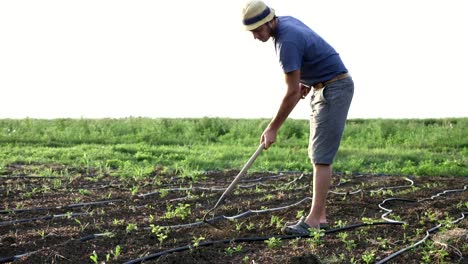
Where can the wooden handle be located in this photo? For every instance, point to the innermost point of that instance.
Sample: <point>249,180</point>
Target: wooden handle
<point>241,173</point>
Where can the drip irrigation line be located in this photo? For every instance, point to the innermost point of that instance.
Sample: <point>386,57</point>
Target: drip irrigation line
<point>388,211</point>
<point>248,240</point>
<point>395,187</point>
<point>7,211</point>
<point>346,193</point>
<point>241,215</point>
<point>244,214</point>
<point>428,233</point>
<point>443,193</point>
<point>82,239</point>
<point>215,188</point>
<point>47,217</point>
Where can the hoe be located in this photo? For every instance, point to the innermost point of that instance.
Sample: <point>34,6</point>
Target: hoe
<point>233,184</point>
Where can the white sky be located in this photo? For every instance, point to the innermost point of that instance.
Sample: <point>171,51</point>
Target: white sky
<point>96,58</point>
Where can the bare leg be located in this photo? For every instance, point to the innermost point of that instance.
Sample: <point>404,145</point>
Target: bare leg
<point>321,183</point>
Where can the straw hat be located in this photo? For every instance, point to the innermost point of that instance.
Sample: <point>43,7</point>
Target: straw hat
<point>256,13</point>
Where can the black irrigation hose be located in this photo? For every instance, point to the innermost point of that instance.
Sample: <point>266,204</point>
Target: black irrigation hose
<point>244,214</point>
<point>428,232</point>
<point>219,188</point>
<point>249,212</point>
<point>20,256</point>
<point>47,217</point>
<point>387,222</point>
<point>248,239</point>
<point>7,211</point>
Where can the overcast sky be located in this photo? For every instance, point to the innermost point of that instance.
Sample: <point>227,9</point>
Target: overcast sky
<point>186,58</point>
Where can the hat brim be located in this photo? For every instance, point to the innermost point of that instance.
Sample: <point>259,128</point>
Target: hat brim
<point>261,22</point>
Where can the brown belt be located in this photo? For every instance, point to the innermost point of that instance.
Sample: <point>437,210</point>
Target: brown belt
<point>336,78</point>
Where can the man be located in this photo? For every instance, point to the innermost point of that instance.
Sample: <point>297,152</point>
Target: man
<point>308,62</point>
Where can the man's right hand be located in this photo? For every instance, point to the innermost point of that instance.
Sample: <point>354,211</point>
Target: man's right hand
<point>268,137</point>
<point>305,90</point>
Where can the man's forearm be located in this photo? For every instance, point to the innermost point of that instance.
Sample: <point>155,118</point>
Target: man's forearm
<point>290,101</point>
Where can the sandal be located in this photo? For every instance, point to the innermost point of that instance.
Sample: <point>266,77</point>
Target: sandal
<point>301,228</point>
<point>322,225</point>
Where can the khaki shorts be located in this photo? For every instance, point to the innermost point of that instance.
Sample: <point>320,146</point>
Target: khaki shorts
<point>330,106</point>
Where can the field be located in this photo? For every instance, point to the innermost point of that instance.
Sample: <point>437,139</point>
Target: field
<point>104,196</point>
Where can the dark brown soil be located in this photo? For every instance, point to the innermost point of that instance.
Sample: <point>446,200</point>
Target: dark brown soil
<point>48,221</point>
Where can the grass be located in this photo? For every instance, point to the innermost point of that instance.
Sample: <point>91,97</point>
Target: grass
<point>138,147</point>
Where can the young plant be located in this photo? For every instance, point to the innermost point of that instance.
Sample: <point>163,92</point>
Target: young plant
<point>368,256</point>
<point>273,242</point>
<point>276,222</point>
<point>196,241</point>
<point>181,211</point>
<point>350,244</point>
<point>116,252</point>
<point>117,221</point>
<point>134,189</point>
<point>160,232</point>
<point>94,257</point>
<point>231,250</point>
<point>131,227</point>
<point>316,236</point>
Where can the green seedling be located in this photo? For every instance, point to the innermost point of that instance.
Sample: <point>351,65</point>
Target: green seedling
<point>42,234</point>
<point>84,192</point>
<point>94,257</point>
<point>116,252</point>
<point>160,232</point>
<point>316,236</point>
<point>196,241</point>
<point>232,250</point>
<point>273,242</point>
<point>299,214</point>
<point>181,211</point>
<point>368,221</point>
<point>368,256</point>
<point>276,221</point>
<point>117,221</point>
<point>134,189</point>
<point>350,244</point>
<point>131,227</point>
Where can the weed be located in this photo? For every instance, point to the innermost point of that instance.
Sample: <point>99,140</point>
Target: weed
<point>82,226</point>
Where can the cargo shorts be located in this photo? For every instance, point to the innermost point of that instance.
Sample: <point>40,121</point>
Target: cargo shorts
<point>330,106</point>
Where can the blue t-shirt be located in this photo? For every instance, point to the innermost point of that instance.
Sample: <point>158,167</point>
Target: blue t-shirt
<point>300,48</point>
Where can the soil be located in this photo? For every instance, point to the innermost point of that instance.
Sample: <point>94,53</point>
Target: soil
<point>50,219</point>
